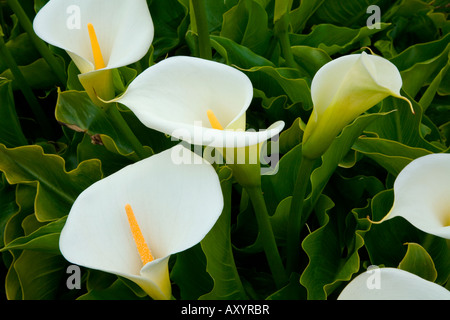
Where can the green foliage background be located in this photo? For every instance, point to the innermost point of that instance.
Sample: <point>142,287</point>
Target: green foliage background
<point>44,168</point>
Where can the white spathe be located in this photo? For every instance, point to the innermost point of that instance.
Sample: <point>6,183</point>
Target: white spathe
<point>124,30</point>
<point>392,284</point>
<point>343,89</point>
<point>422,194</point>
<point>175,205</point>
<point>174,95</point>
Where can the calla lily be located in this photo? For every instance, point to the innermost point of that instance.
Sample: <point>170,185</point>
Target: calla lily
<point>422,194</point>
<point>131,222</point>
<point>98,35</point>
<point>343,89</point>
<point>392,284</point>
<point>199,101</point>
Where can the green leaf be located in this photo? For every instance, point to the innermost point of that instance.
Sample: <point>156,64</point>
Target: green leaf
<point>333,255</point>
<point>77,111</point>
<point>385,242</point>
<point>38,75</point>
<point>11,133</point>
<point>170,17</point>
<point>292,291</point>
<point>8,207</point>
<point>45,239</point>
<point>57,188</point>
<point>419,262</point>
<point>348,13</point>
<point>402,125</point>
<point>275,82</point>
<point>116,291</point>
<point>391,155</point>
<point>333,39</point>
<point>236,54</point>
<point>190,275</point>
<point>335,153</point>
<point>247,24</point>
<point>299,17</point>
<point>292,136</point>
<point>40,274</point>
<point>218,251</point>
<point>420,63</point>
<point>310,59</point>
<point>279,186</point>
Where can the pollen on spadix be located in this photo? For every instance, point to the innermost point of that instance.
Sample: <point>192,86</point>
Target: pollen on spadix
<point>141,245</point>
<point>99,63</point>
<point>215,124</point>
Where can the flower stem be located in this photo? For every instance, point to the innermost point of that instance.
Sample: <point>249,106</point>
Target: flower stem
<point>40,45</point>
<point>267,237</point>
<point>296,217</point>
<point>282,33</point>
<point>33,102</point>
<point>119,122</point>
<point>201,27</point>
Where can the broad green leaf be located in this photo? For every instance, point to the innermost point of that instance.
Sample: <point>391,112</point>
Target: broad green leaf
<point>436,86</point>
<point>336,152</point>
<point>310,59</point>
<point>57,188</point>
<point>247,24</point>
<point>25,195</point>
<point>220,263</point>
<point>116,291</point>
<point>76,110</point>
<point>292,136</point>
<point>282,81</point>
<point>421,74</point>
<point>299,17</point>
<point>385,242</point>
<point>45,239</point>
<point>333,39</point>
<point>402,125</point>
<point>111,161</point>
<point>11,133</point>
<point>418,261</point>
<point>38,75</point>
<point>8,207</point>
<point>40,274</point>
<point>189,274</point>
<point>348,13</point>
<point>236,54</point>
<point>279,186</point>
<point>292,291</point>
<point>333,255</point>
<point>22,50</point>
<point>171,18</point>
<point>391,155</point>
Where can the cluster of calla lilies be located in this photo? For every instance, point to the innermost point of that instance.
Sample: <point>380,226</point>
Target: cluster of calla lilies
<point>132,221</point>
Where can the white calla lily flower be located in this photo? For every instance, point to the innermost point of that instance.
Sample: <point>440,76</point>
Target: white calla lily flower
<point>131,222</point>
<point>124,30</point>
<point>195,100</point>
<point>99,35</point>
<point>343,89</point>
<point>392,284</point>
<point>422,194</point>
